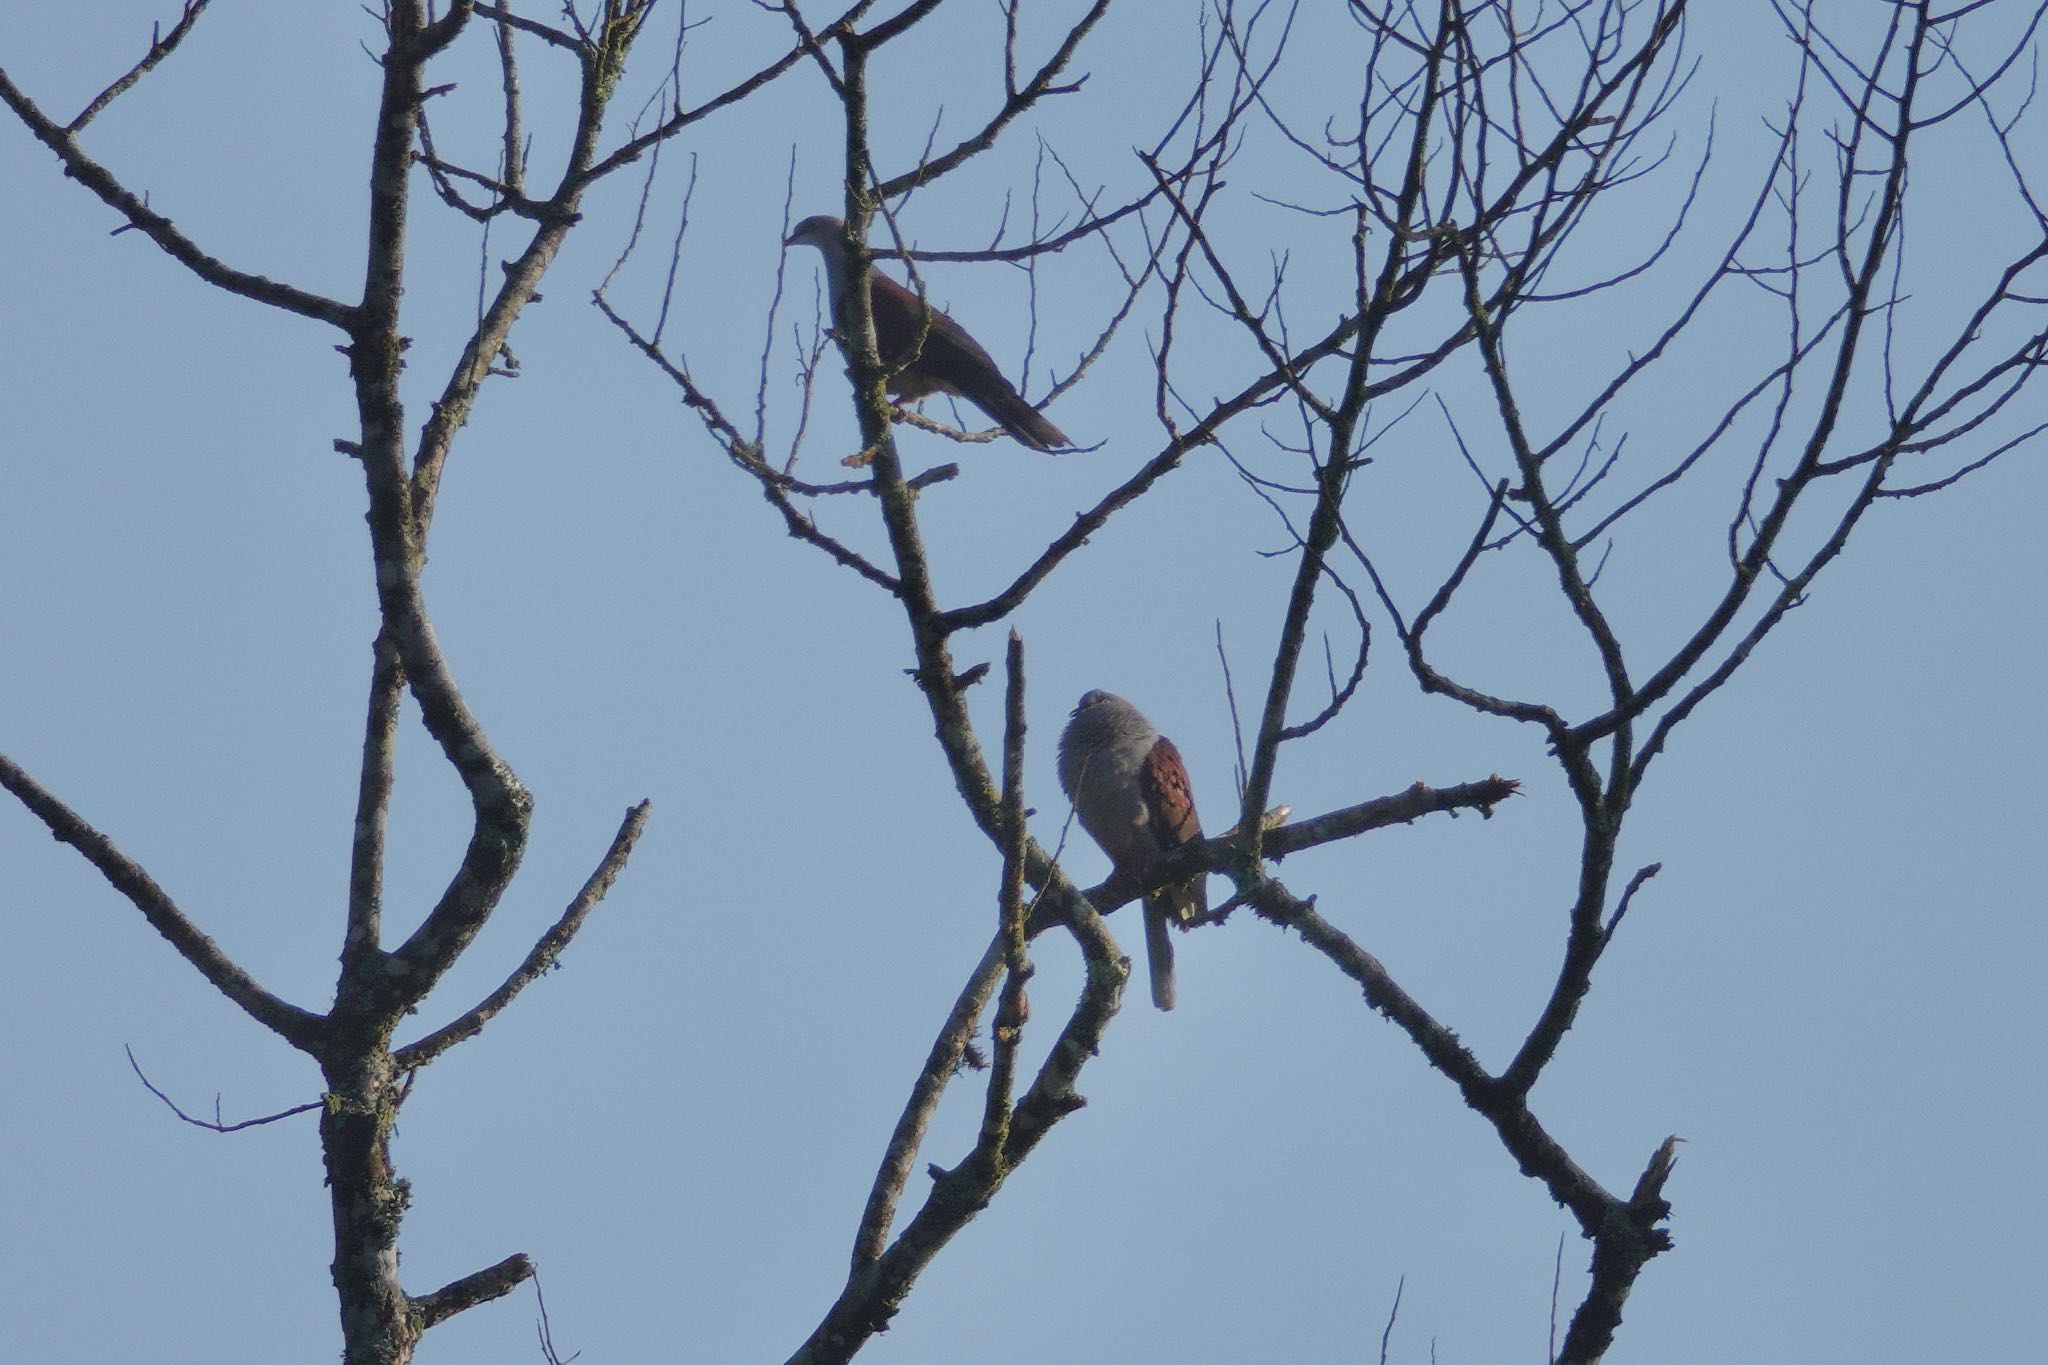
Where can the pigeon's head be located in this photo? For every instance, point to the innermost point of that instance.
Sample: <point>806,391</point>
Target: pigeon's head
<point>820,230</point>
<point>1098,697</point>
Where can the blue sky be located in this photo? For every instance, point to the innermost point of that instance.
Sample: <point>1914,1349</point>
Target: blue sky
<point>1831,991</point>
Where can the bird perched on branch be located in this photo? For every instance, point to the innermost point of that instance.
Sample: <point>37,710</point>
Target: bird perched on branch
<point>1130,788</point>
<point>948,361</point>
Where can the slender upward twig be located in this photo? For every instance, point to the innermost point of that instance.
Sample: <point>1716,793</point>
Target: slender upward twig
<point>161,45</point>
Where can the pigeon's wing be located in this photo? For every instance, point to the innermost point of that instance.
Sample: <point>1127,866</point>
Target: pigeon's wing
<point>1170,815</point>
<point>950,361</point>
<point>1169,797</point>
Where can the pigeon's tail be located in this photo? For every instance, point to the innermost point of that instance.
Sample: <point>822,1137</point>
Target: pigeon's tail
<point>1009,410</point>
<point>1159,908</point>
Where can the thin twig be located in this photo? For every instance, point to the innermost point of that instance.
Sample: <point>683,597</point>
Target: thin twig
<point>213,1125</point>
<point>160,46</point>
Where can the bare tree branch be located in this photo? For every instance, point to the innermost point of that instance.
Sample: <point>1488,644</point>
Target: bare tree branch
<point>296,1026</point>
<point>542,958</point>
<point>161,45</point>
<point>492,1282</point>
<point>158,228</point>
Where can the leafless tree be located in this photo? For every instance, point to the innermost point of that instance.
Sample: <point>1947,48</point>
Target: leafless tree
<point>1477,145</point>
<point>366,1077</point>
<point>1457,176</point>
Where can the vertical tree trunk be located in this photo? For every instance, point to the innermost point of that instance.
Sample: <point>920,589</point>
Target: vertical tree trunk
<point>369,1201</point>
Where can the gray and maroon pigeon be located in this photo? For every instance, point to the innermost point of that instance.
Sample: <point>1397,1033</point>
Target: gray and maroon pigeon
<point>1131,792</point>
<point>949,361</point>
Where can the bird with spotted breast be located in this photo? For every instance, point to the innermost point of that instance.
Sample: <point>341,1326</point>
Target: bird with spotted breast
<point>948,360</point>
<point>1130,789</point>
